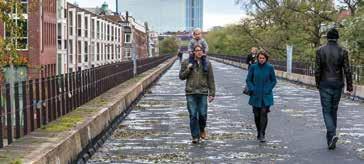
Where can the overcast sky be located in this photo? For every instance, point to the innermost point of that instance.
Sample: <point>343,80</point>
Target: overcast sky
<point>216,12</point>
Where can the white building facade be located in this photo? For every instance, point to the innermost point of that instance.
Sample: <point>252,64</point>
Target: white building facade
<point>87,40</point>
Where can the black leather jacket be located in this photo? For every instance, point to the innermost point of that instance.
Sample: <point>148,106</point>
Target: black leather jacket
<point>331,61</point>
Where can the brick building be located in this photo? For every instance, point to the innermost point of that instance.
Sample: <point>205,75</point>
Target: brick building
<point>38,42</point>
<point>60,37</point>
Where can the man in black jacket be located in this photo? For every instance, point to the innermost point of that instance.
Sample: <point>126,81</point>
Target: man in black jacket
<point>331,62</point>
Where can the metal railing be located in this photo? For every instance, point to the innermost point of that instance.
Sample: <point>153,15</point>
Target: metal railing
<point>298,67</point>
<point>40,101</point>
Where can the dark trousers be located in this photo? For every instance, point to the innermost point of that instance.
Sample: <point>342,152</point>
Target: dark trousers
<point>330,99</point>
<point>261,120</point>
<point>197,108</point>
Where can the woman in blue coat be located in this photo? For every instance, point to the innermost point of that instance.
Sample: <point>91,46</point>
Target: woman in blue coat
<point>260,82</point>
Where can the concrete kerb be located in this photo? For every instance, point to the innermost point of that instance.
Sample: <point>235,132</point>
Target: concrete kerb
<point>65,146</point>
<point>298,78</point>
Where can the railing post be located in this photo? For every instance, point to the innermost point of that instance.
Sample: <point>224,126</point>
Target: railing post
<point>74,89</point>
<point>53,98</point>
<point>66,92</point>
<point>25,106</point>
<point>44,103</point>
<point>31,102</point>
<point>9,115</point>
<point>79,89</point>
<point>1,118</point>
<point>62,94</point>
<point>58,94</point>
<point>83,87</point>
<point>17,110</point>
<point>49,99</point>
<point>38,101</point>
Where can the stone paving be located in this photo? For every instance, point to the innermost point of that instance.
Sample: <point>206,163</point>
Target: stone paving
<point>157,130</point>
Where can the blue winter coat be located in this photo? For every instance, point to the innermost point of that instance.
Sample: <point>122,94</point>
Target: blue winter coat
<point>260,82</point>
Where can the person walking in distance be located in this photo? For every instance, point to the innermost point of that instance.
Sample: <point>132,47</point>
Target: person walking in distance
<point>252,57</point>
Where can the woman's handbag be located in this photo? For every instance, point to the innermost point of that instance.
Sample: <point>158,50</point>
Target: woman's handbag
<point>246,91</point>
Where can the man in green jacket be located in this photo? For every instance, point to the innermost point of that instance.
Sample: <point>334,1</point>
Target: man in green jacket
<point>200,88</point>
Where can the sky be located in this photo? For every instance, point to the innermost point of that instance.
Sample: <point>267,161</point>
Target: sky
<point>216,12</point>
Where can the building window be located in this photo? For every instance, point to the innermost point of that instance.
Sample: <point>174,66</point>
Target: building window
<point>65,44</point>
<point>92,51</point>
<point>59,36</point>
<point>93,28</point>
<point>79,52</point>
<point>86,27</point>
<point>102,52</point>
<point>79,25</point>
<point>118,51</point>
<point>102,31</point>
<point>70,47</point>
<point>24,6</point>
<point>112,52</point>
<point>21,40</point>
<point>70,58</point>
<point>116,34</point>
<point>70,23</point>
<point>119,34</point>
<point>127,53</point>
<point>105,32</point>
<point>86,52</point>
<point>108,52</point>
<point>70,51</point>
<point>59,64</point>
<point>127,38</point>
<point>98,29</point>
<point>98,51</point>
<point>112,33</point>
<point>108,33</point>
<point>60,10</point>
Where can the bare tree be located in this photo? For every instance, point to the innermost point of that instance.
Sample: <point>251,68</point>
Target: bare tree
<point>352,5</point>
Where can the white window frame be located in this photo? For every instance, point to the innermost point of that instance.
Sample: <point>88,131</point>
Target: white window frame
<point>125,38</point>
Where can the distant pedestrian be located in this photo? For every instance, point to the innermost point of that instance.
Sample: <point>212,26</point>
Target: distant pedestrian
<point>180,55</point>
<point>332,62</point>
<point>260,81</point>
<point>200,88</point>
<point>252,56</point>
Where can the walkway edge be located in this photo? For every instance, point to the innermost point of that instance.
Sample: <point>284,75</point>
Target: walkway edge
<point>304,79</point>
<point>43,147</point>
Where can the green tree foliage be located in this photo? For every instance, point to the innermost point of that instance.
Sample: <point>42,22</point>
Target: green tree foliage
<point>274,24</point>
<point>353,35</point>
<point>231,40</point>
<point>169,46</point>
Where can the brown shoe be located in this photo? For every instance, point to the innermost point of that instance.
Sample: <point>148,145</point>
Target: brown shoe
<point>203,134</point>
<point>195,141</point>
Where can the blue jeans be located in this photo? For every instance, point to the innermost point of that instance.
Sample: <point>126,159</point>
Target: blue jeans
<point>197,108</point>
<point>330,99</point>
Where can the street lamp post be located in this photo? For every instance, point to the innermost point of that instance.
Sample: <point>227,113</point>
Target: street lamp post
<point>133,53</point>
<point>131,44</point>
